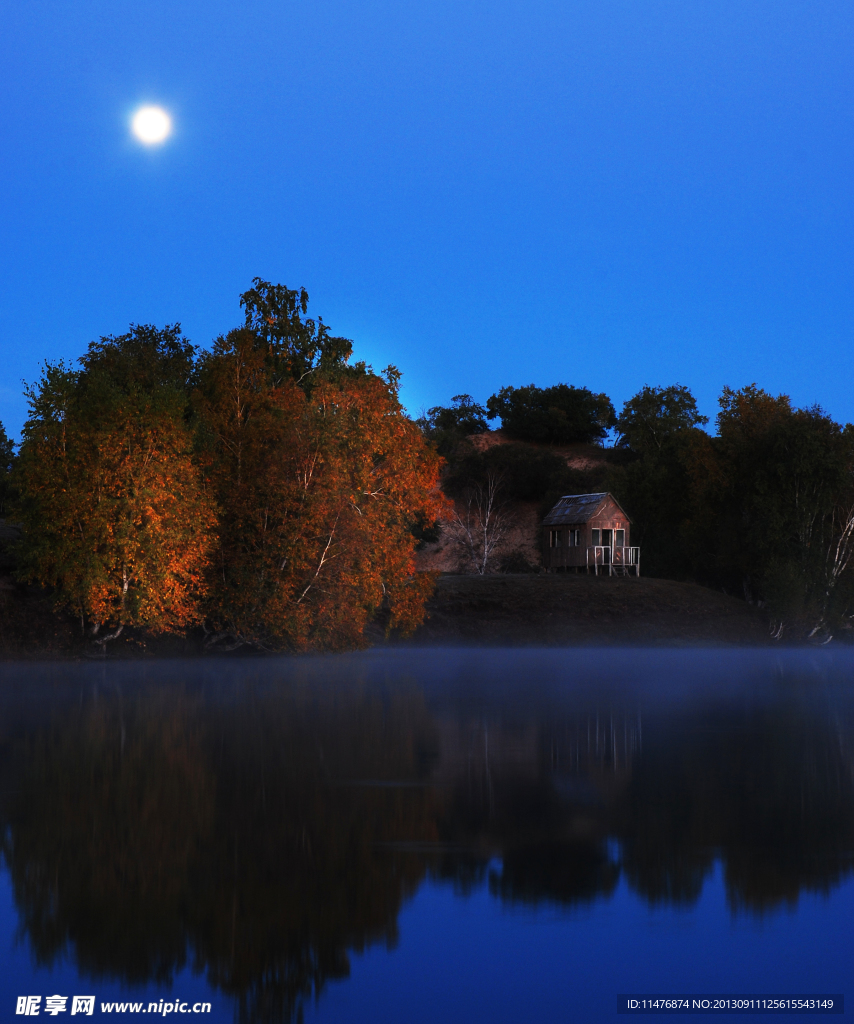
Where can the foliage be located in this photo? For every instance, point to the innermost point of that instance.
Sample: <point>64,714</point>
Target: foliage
<point>516,562</point>
<point>318,493</point>
<point>7,459</point>
<point>654,416</point>
<point>301,472</point>
<point>527,475</point>
<point>658,435</point>
<point>765,508</point>
<point>146,359</point>
<point>116,519</point>
<point>446,426</point>
<point>777,493</point>
<point>657,492</point>
<point>557,415</point>
<point>293,346</point>
<point>303,476</point>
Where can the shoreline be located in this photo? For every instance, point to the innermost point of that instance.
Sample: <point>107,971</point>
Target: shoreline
<point>495,611</point>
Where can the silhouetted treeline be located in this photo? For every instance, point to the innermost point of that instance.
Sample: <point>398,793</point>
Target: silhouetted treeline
<point>269,492</point>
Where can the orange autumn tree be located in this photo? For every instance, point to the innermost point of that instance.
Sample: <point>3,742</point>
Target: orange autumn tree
<point>319,476</point>
<point>116,521</point>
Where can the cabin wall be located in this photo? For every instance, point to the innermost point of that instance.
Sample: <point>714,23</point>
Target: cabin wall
<point>610,517</point>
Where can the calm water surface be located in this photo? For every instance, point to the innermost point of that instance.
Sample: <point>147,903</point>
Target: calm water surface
<point>425,835</point>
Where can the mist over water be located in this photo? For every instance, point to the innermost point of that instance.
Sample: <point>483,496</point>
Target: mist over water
<point>471,834</point>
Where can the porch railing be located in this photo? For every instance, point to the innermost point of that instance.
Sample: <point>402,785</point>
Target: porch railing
<point>610,557</point>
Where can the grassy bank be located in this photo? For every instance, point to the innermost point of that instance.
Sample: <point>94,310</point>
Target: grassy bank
<point>565,609</point>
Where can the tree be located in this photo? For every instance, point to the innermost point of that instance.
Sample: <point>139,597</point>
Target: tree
<point>775,498</point>
<point>7,459</point>
<point>483,525</point>
<point>293,346</point>
<point>654,416</point>
<point>447,426</point>
<point>318,490</point>
<point>116,519</point>
<point>659,431</point>
<point>464,415</point>
<point>557,415</point>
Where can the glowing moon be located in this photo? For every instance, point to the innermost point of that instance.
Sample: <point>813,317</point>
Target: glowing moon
<point>151,125</point>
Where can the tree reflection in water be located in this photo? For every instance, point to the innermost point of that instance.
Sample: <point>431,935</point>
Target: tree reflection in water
<point>267,830</point>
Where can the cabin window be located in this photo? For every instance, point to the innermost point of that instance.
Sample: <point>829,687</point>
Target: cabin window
<point>574,538</point>
<point>554,538</point>
<point>595,538</point>
<point>619,538</point>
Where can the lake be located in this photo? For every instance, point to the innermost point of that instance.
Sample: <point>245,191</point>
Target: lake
<point>426,835</point>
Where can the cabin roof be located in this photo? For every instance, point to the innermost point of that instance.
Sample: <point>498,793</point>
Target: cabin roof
<point>578,508</point>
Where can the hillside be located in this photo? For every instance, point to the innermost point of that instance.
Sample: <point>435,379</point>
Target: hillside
<point>521,542</point>
<point>566,609</point>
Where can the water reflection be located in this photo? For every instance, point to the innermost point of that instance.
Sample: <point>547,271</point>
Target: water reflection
<point>266,824</point>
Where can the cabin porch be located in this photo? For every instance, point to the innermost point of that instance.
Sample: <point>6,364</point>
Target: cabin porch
<point>617,561</point>
<point>605,559</point>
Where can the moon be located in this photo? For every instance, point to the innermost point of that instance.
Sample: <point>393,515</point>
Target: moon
<point>151,125</point>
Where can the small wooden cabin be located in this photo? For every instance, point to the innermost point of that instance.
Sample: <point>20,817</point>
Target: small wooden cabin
<point>589,532</point>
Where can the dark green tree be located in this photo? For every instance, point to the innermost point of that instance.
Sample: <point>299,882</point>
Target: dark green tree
<point>463,416</point>
<point>447,426</point>
<point>775,504</point>
<point>7,458</point>
<point>297,346</point>
<point>146,358</point>
<point>557,415</point>
<point>658,429</point>
<point>654,416</point>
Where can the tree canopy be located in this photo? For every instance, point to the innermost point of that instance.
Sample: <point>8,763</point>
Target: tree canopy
<point>266,488</point>
<point>295,345</point>
<point>116,518</point>
<point>7,459</point>
<point>446,426</point>
<point>463,416</point>
<point>318,493</point>
<point>558,415</point>
<point>776,488</point>
<point>655,415</point>
<point>764,509</point>
<point>273,493</point>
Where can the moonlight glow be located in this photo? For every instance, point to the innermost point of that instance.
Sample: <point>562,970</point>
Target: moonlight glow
<point>151,125</point>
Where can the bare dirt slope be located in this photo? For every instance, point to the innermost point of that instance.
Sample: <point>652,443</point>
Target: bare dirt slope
<point>578,455</point>
<point>565,609</point>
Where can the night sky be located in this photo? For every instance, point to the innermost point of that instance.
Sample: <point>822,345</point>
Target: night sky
<point>605,193</point>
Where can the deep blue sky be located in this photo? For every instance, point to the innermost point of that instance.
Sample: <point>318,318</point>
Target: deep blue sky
<point>606,192</point>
